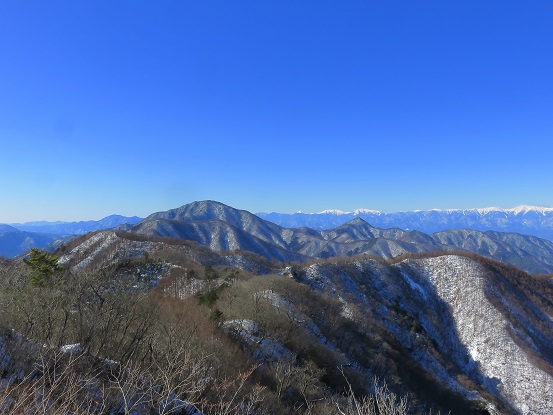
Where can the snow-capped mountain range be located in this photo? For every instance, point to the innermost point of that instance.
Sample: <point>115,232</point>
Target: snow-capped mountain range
<point>516,210</point>
<point>530,220</point>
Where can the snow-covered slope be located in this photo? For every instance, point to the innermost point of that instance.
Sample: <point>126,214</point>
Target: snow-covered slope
<point>489,323</point>
<point>488,334</point>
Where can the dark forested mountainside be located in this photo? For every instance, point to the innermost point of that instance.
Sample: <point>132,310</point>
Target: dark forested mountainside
<point>224,228</point>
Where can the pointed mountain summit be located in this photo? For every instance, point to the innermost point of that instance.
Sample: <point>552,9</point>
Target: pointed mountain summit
<point>222,228</point>
<point>357,221</point>
<point>358,228</point>
<point>210,210</point>
<point>200,210</point>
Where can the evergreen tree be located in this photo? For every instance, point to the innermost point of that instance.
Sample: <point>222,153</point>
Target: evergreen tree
<point>43,266</point>
<point>210,273</point>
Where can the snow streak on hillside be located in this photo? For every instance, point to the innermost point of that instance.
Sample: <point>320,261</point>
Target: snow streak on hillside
<point>485,331</point>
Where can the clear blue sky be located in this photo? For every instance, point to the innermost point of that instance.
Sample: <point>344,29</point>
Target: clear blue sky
<point>132,107</point>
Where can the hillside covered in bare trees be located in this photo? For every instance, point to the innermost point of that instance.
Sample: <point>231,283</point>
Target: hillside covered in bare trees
<point>122,322</point>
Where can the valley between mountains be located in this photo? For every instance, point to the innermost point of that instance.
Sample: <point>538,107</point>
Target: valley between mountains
<point>249,317</point>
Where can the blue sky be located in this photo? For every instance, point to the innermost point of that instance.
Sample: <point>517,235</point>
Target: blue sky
<point>132,107</point>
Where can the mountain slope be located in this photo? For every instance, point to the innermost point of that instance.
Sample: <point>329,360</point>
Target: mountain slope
<point>222,228</point>
<point>76,228</point>
<point>14,242</point>
<point>7,228</point>
<point>526,252</point>
<point>217,235</point>
<point>493,322</point>
<point>459,331</point>
<point>490,318</point>
<point>16,239</point>
<point>204,211</point>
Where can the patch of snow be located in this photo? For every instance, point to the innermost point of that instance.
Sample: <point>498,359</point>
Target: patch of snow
<point>71,348</point>
<point>246,329</point>
<point>366,211</point>
<point>264,348</point>
<point>102,240</point>
<point>413,284</point>
<point>341,212</point>
<point>315,277</point>
<point>346,311</point>
<point>187,287</point>
<point>334,212</point>
<point>293,313</point>
<point>525,209</point>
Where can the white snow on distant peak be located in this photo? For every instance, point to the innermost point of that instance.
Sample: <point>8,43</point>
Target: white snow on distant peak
<point>516,210</point>
<point>335,212</point>
<point>479,210</point>
<point>482,211</point>
<point>355,212</point>
<point>491,209</point>
<point>525,209</point>
<point>360,211</point>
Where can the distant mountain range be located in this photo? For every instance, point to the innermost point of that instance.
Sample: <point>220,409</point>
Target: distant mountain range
<point>14,242</point>
<point>18,238</point>
<point>76,228</point>
<point>223,228</point>
<point>530,220</point>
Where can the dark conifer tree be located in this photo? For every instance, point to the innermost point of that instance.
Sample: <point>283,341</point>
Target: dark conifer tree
<point>43,266</point>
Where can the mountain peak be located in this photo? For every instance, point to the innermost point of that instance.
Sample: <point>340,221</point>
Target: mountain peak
<point>366,211</point>
<point>526,209</point>
<point>355,212</point>
<point>201,210</point>
<point>357,221</point>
